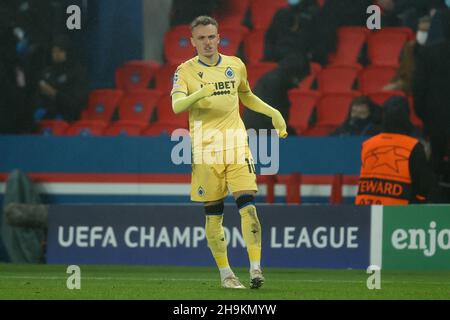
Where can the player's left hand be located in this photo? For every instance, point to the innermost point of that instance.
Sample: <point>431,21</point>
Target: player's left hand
<point>279,124</point>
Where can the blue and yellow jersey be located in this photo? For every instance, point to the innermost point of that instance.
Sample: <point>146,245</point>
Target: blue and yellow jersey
<point>220,111</point>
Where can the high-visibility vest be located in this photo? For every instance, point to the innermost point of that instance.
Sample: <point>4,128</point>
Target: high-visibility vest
<point>385,178</point>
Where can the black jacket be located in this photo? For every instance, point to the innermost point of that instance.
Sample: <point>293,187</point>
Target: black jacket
<point>422,176</point>
<point>70,80</point>
<point>431,87</point>
<point>290,31</point>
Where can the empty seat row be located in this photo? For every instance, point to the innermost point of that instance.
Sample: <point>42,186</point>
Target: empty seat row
<point>383,46</point>
<point>62,128</point>
<point>344,78</point>
<point>134,110</point>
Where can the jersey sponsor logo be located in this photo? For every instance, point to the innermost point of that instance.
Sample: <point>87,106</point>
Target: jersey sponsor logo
<point>201,191</point>
<point>229,73</point>
<point>223,87</point>
<point>200,74</point>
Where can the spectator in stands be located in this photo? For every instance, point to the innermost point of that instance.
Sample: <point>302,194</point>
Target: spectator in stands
<point>362,120</point>
<point>438,13</point>
<point>63,86</point>
<point>184,11</point>
<point>394,167</point>
<point>403,12</point>
<point>273,88</point>
<point>34,27</point>
<point>334,14</point>
<point>290,31</point>
<point>404,74</point>
<point>431,91</point>
<point>345,12</point>
<point>11,79</point>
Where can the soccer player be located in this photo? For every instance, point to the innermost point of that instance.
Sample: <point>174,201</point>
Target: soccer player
<point>209,86</point>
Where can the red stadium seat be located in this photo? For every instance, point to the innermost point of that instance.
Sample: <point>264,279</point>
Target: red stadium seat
<point>232,12</point>
<point>257,70</point>
<point>382,96</point>
<point>262,12</point>
<point>306,84</point>
<point>405,30</point>
<point>301,109</point>
<point>332,110</point>
<point>164,78</point>
<point>128,129</point>
<point>101,105</point>
<point>337,79</point>
<point>167,120</point>
<point>80,129</point>
<point>254,46</point>
<point>53,127</point>
<point>385,46</point>
<point>166,115</point>
<point>231,39</point>
<point>374,78</point>
<point>135,74</point>
<point>138,106</point>
<point>349,44</point>
<point>177,45</point>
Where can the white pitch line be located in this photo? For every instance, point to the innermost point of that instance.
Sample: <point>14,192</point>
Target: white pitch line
<point>210,280</point>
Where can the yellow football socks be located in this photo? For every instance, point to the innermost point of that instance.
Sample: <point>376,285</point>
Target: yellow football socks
<point>251,231</point>
<point>215,236</point>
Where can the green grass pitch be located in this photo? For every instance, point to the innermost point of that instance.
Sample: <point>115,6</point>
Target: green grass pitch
<point>199,283</point>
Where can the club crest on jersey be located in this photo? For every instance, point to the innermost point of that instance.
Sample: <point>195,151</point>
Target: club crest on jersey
<point>201,191</point>
<point>229,73</point>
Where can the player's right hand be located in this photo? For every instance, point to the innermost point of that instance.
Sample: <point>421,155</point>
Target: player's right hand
<point>207,90</point>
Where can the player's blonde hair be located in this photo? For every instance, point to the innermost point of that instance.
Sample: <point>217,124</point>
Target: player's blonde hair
<point>204,21</point>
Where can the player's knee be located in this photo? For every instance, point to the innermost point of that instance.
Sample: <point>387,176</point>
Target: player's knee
<point>244,201</point>
<point>215,209</point>
<point>214,218</point>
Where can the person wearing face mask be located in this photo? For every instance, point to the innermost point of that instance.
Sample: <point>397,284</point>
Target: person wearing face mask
<point>361,120</point>
<point>404,74</point>
<point>431,92</point>
<point>422,35</point>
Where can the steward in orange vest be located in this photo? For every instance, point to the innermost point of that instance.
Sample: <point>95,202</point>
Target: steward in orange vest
<point>394,168</point>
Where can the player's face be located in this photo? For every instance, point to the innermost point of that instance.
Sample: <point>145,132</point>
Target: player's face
<point>206,40</point>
